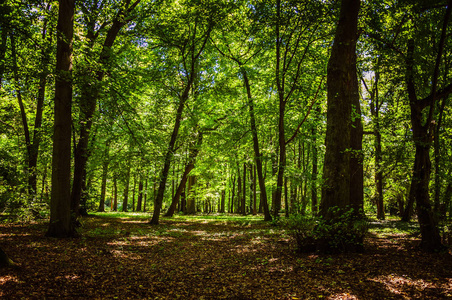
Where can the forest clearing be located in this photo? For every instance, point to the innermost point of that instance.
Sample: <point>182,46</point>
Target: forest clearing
<point>120,256</point>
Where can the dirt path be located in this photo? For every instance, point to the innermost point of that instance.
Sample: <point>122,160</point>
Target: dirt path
<point>196,259</point>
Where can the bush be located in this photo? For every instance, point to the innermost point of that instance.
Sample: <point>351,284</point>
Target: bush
<point>342,233</point>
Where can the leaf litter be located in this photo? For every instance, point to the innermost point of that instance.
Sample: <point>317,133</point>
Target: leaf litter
<point>125,258</point>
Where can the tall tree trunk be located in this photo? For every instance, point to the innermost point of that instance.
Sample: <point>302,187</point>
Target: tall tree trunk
<point>4,39</point>
<point>34,147</point>
<point>256,148</point>
<point>125,199</point>
<point>61,224</point>
<point>222,201</point>
<point>232,196</point>
<point>422,136</point>
<point>115,193</point>
<point>243,204</point>
<point>314,199</point>
<point>281,131</point>
<point>140,195</point>
<point>168,157</point>
<point>286,198</point>
<point>103,187</point>
<point>437,153</point>
<point>133,191</point>
<point>193,153</point>
<point>191,198</point>
<point>239,191</point>
<point>339,165</point>
<point>88,103</point>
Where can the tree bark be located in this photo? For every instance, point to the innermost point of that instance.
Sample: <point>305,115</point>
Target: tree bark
<point>103,187</point>
<point>314,199</point>
<point>341,140</point>
<point>256,148</point>
<point>191,198</point>
<point>194,150</point>
<point>243,203</point>
<point>90,95</point>
<point>61,224</point>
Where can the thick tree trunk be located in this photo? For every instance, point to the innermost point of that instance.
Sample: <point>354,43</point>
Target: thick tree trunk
<point>342,95</point>
<point>431,239</point>
<point>61,224</point>
<point>356,159</point>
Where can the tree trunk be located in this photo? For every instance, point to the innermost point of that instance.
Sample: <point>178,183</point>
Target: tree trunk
<point>61,224</point>
<point>5,261</point>
<point>90,95</point>
<point>342,95</point>
<point>194,150</point>
<point>243,203</point>
<point>103,187</point>
<point>422,136</point>
<point>286,198</point>
<point>126,190</point>
<point>314,199</point>
<point>222,201</point>
<point>191,198</point>
<point>140,195</point>
<point>115,193</point>
<point>232,196</point>
<point>257,154</point>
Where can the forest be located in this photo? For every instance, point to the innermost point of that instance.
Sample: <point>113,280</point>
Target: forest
<point>226,149</point>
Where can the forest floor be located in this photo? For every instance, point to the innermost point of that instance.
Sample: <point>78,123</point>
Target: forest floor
<point>213,257</point>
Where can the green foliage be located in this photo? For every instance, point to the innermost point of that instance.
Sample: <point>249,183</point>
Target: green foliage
<point>344,232</point>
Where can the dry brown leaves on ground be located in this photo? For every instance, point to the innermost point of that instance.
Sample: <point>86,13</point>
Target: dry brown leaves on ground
<point>125,258</point>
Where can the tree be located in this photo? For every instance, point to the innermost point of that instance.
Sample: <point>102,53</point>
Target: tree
<point>423,131</point>
<point>343,188</point>
<point>91,89</point>
<point>189,38</point>
<point>61,224</point>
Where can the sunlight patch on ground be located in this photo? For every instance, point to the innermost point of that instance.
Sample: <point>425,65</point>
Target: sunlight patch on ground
<point>397,284</point>
<point>6,278</point>
<point>342,296</point>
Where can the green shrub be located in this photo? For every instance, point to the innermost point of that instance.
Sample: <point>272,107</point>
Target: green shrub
<point>344,232</point>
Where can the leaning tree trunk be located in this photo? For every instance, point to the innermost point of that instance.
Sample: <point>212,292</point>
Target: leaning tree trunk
<point>190,166</point>
<point>257,154</point>
<point>167,162</point>
<point>60,224</point>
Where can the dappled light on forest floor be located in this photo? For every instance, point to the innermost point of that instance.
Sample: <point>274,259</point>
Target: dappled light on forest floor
<point>184,258</point>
